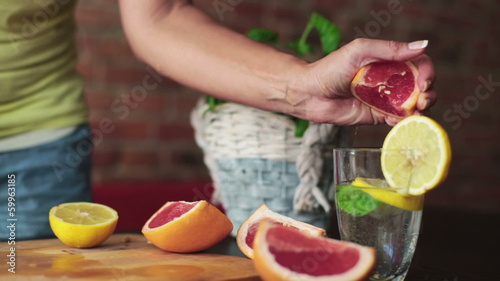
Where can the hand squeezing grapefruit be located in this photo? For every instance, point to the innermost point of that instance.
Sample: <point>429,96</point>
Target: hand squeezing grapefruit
<point>389,87</point>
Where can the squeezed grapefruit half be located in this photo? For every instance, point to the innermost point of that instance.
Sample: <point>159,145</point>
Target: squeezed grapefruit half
<point>388,86</point>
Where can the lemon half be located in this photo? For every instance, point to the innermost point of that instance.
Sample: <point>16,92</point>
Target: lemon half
<point>416,155</point>
<point>82,224</point>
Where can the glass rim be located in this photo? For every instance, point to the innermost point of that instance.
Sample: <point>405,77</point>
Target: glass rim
<point>365,149</point>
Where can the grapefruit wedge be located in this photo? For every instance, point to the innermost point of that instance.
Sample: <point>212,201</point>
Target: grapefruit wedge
<point>246,233</point>
<point>389,87</point>
<point>283,253</point>
<point>186,227</point>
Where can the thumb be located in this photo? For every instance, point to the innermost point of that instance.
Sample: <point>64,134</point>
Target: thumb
<point>370,50</point>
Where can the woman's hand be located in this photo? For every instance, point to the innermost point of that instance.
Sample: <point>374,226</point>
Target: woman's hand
<point>326,84</point>
<point>186,45</point>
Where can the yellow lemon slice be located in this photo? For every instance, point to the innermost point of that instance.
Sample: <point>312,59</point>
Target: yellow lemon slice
<point>82,224</point>
<point>416,155</point>
<point>389,195</point>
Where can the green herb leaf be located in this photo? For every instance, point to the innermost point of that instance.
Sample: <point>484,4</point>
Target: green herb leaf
<point>300,127</point>
<point>213,103</point>
<point>264,35</point>
<point>329,33</point>
<point>301,48</point>
<point>354,201</point>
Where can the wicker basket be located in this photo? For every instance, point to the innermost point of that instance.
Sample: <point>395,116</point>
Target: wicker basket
<point>253,158</point>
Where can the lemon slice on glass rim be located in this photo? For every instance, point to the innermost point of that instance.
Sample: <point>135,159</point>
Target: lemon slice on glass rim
<point>416,155</point>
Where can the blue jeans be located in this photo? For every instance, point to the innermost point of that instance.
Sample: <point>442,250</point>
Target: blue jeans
<point>35,179</point>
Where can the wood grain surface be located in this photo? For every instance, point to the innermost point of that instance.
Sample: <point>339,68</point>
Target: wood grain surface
<point>121,257</point>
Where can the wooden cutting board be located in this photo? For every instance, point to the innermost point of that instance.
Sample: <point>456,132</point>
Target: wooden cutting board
<point>121,257</point>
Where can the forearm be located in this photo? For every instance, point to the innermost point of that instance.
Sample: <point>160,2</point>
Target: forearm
<point>186,45</point>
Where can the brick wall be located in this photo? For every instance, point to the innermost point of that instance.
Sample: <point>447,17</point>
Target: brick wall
<point>144,134</point>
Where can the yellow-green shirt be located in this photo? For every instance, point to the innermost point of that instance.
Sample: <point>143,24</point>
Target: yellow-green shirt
<point>39,86</point>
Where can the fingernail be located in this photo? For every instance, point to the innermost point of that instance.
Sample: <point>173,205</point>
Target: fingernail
<point>391,121</point>
<point>427,85</point>
<point>427,102</point>
<point>417,45</point>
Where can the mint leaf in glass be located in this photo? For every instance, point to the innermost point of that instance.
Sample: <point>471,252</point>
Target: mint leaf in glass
<point>354,201</point>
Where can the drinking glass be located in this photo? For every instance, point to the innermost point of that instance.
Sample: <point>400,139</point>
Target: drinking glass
<point>362,219</point>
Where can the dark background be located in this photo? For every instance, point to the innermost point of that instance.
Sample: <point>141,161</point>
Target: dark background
<point>154,140</point>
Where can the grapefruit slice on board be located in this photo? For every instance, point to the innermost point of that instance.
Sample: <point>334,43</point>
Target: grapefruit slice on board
<point>389,87</point>
<point>246,232</point>
<point>186,227</point>
<point>283,253</point>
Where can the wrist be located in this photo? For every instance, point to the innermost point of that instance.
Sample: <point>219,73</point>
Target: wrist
<point>293,93</point>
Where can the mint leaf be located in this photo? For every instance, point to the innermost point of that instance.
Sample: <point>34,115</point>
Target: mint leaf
<point>213,103</point>
<point>354,201</point>
<point>264,35</point>
<point>301,47</point>
<point>329,33</point>
<point>301,126</point>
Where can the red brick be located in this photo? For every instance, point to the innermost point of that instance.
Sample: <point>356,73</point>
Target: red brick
<point>105,46</point>
<point>99,100</point>
<point>153,102</point>
<point>284,13</point>
<point>131,130</point>
<point>102,157</point>
<point>135,172</point>
<point>182,101</point>
<point>135,75</point>
<point>86,69</point>
<point>125,74</point>
<point>139,157</point>
<point>175,131</point>
<point>247,9</point>
<point>97,16</point>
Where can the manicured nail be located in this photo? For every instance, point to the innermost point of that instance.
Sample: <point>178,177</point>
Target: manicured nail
<point>417,45</point>
<point>427,85</point>
<point>427,102</point>
<point>391,121</point>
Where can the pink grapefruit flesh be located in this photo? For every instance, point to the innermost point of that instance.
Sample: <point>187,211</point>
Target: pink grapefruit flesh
<point>171,212</point>
<point>283,253</point>
<point>336,258</point>
<point>389,87</point>
<point>252,230</point>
